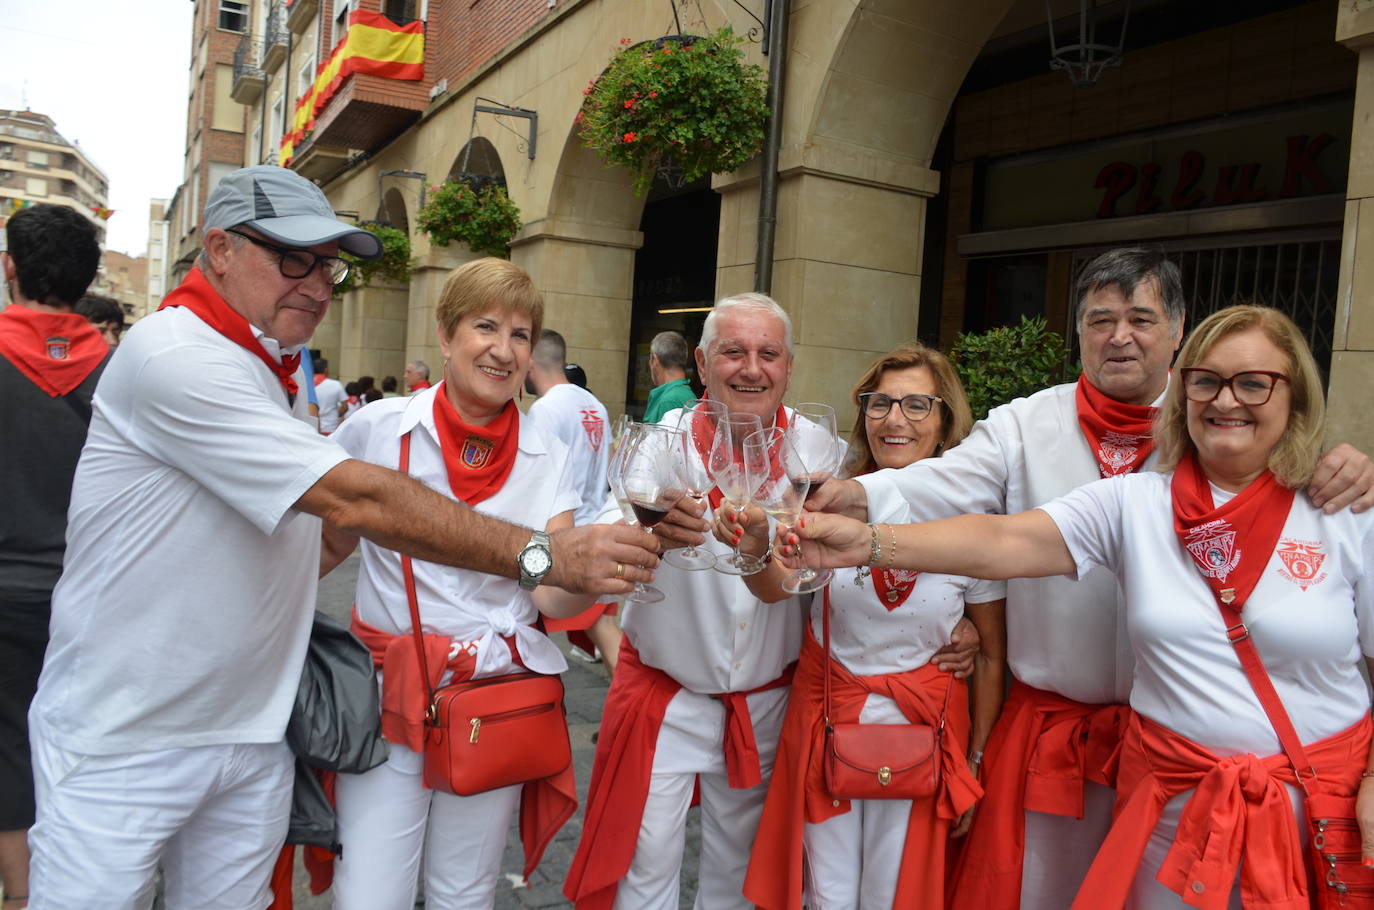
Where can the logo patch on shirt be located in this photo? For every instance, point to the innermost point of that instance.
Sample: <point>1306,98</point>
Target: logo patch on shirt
<point>477,452</point>
<point>58,347</point>
<point>1213,546</point>
<point>1117,453</point>
<point>595,427</point>
<point>1302,562</point>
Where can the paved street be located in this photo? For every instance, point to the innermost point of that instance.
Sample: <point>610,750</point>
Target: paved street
<point>586,690</point>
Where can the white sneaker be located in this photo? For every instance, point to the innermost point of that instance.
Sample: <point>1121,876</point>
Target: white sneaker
<point>583,656</point>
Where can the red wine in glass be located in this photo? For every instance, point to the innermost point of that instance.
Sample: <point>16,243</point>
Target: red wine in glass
<point>816,481</point>
<point>649,513</point>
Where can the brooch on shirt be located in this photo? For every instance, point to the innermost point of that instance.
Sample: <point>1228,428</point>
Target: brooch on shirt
<point>477,452</point>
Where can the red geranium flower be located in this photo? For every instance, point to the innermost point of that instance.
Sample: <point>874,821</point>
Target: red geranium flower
<point>653,94</point>
<point>630,137</point>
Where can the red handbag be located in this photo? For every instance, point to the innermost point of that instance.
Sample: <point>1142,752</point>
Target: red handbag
<point>879,761</point>
<point>1338,879</point>
<point>484,734</point>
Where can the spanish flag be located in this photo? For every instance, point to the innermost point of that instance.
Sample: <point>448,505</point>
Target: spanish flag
<point>373,45</point>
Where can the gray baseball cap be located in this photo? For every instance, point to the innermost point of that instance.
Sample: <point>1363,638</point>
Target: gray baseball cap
<point>283,206</point>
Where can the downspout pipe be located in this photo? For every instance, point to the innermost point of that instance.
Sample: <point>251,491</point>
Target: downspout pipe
<point>772,142</point>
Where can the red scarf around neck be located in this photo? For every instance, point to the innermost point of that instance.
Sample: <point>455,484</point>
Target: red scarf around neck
<point>56,351</point>
<point>1119,434</point>
<point>197,295</point>
<point>704,450</point>
<point>478,459</point>
<point>1231,545</point>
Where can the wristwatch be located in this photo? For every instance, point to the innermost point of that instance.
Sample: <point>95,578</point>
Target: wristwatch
<point>535,561</point>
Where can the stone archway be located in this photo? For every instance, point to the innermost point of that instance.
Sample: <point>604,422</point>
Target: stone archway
<point>393,210</point>
<point>869,86</point>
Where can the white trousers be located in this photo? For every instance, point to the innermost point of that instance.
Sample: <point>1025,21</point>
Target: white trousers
<point>853,860</point>
<point>213,817</point>
<point>690,748</point>
<point>1059,850</point>
<point>387,819</point>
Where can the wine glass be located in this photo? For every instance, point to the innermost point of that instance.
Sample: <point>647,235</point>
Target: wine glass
<point>698,423</point>
<point>816,450</point>
<point>778,479</point>
<point>814,434</point>
<point>726,468</point>
<point>644,594</point>
<point>651,482</point>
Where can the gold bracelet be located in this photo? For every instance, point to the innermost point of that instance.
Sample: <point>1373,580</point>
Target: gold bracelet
<point>892,556</point>
<point>875,549</point>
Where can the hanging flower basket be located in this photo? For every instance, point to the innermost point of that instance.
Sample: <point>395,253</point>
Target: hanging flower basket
<point>482,217</point>
<point>393,267</point>
<point>685,104</point>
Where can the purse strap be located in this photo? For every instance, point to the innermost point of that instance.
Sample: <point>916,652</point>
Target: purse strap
<point>408,571</point>
<point>825,634</point>
<point>1239,635</point>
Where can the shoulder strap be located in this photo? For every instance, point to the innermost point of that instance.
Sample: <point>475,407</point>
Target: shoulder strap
<point>1239,635</point>
<point>408,571</point>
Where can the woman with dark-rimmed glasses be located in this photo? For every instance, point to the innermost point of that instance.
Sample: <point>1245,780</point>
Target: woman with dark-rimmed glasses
<point>1207,796</point>
<point>886,625</point>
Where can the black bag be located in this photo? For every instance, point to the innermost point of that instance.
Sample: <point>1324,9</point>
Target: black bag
<point>336,724</point>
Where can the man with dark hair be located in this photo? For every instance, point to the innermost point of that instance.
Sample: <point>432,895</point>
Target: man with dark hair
<point>389,386</point>
<point>158,729</point>
<point>1049,787</point>
<point>50,360</point>
<point>105,314</point>
<point>331,396</point>
<point>668,368</point>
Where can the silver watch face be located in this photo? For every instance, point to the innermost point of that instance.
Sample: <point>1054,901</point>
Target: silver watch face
<point>536,560</point>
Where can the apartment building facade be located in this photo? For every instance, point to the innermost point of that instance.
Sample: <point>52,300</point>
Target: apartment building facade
<point>38,165</point>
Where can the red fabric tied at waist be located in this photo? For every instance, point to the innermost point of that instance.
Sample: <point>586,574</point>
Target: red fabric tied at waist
<point>545,805</point>
<point>1042,751</point>
<point>631,719</point>
<point>1238,818</point>
<point>798,793</point>
<point>404,699</point>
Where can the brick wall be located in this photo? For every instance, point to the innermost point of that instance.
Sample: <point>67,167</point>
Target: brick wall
<point>464,34</point>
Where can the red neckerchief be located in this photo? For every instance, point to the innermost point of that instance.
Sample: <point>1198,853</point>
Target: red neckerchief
<point>56,351</point>
<point>422,384</point>
<point>704,450</point>
<point>479,459</point>
<point>197,295</point>
<point>1119,434</point>
<point>893,586</point>
<point>319,378</point>
<point>1230,545</point>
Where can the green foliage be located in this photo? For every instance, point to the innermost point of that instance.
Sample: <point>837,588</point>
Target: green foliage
<point>689,98</point>
<point>393,267</point>
<point>1001,364</point>
<point>485,218</point>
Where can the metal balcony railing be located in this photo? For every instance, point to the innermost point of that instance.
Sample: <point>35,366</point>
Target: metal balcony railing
<point>275,37</point>
<point>249,78</point>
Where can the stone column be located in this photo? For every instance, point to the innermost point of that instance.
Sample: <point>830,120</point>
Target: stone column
<point>586,274</point>
<point>1352,349</point>
<point>373,332</point>
<point>847,258</point>
<point>427,279</point>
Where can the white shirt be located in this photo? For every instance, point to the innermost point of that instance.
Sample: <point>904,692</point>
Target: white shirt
<point>1023,455</point>
<point>572,414</point>
<point>1308,619</point>
<point>870,640</point>
<point>184,611</point>
<point>329,394</point>
<point>473,608</point>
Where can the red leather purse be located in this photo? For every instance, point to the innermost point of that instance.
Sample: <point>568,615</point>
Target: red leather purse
<point>484,734</point>
<point>879,761</point>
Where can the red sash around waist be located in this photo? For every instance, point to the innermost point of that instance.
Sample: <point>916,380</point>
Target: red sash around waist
<point>798,793</point>
<point>1042,751</point>
<point>1238,818</point>
<point>630,722</point>
<point>545,805</point>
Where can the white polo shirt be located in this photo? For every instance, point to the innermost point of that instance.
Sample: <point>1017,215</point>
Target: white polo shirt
<point>570,413</point>
<point>1310,615</point>
<point>473,608</point>
<point>184,610</point>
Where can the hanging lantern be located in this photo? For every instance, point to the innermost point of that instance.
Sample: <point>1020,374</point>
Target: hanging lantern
<point>1085,60</point>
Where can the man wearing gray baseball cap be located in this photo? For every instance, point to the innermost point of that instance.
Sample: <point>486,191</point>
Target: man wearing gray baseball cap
<point>180,623</point>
